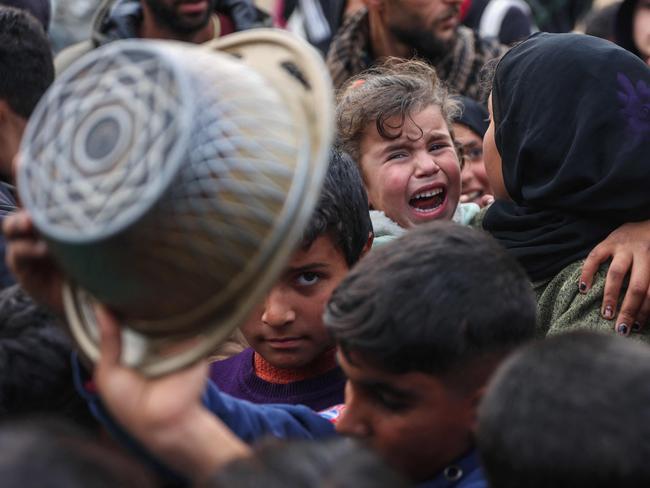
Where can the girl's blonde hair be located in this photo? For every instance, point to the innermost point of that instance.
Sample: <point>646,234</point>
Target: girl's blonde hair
<point>395,88</point>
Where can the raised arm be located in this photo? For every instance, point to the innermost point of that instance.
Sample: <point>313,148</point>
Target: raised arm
<point>165,414</point>
<point>187,423</point>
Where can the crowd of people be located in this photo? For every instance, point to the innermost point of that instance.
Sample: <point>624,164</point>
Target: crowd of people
<point>468,305</point>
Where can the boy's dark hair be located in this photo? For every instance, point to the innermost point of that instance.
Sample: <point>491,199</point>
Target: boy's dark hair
<point>49,452</point>
<point>334,463</point>
<point>35,366</point>
<point>342,210</point>
<point>439,300</point>
<point>571,411</point>
<point>25,60</point>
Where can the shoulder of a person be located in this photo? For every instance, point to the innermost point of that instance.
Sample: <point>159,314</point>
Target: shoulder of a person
<point>234,362</point>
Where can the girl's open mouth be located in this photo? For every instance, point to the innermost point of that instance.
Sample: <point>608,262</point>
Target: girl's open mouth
<point>428,200</point>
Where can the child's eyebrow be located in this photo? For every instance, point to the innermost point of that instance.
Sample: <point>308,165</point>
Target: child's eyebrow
<point>381,386</point>
<point>306,267</point>
<point>374,385</point>
<point>396,145</point>
<point>403,142</point>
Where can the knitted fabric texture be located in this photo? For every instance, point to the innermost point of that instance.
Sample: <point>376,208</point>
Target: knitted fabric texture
<point>266,371</point>
<point>236,376</point>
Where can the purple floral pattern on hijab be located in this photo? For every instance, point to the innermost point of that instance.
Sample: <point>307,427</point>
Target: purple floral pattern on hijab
<point>635,102</point>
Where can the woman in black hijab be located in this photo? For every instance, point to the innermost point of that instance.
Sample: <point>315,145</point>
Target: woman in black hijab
<point>568,157</point>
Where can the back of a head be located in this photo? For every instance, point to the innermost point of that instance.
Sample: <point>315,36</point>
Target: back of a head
<point>336,463</point>
<point>588,96</point>
<point>473,115</point>
<point>25,60</point>
<point>569,412</point>
<point>342,209</point>
<point>436,300</point>
<point>48,452</point>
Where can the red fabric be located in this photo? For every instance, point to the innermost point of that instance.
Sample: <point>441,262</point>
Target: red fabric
<point>464,8</point>
<point>226,24</point>
<point>278,15</point>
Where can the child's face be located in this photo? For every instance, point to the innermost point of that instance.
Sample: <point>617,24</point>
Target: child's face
<point>492,159</point>
<point>414,421</point>
<point>415,178</point>
<point>474,180</point>
<point>287,329</point>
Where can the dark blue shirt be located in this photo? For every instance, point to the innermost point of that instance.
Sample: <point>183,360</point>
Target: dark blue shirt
<point>464,473</point>
<point>250,421</point>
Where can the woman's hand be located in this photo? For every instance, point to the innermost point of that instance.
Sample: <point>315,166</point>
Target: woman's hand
<point>629,249</point>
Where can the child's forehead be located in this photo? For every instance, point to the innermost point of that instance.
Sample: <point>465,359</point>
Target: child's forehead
<point>421,119</point>
<point>323,250</point>
<point>410,128</point>
<point>360,369</point>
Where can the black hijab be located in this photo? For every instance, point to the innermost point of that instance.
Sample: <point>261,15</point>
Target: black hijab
<point>572,125</point>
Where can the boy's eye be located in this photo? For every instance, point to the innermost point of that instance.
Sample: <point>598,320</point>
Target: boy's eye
<point>390,402</point>
<point>308,278</point>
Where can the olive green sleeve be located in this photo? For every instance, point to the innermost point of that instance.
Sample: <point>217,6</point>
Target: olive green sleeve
<point>562,308</point>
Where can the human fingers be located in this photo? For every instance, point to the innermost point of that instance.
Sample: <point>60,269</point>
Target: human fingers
<point>596,257</point>
<point>26,251</point>
<point>18,224</point>
<point>635,296</point>
<point>486,200</point>
<point>110,339</point>
<point>643,315</point>
<point>618,269</point>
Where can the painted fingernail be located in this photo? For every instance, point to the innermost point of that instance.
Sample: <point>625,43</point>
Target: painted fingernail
<point>582,287</point>
<point>636,327</point>
<point>609,312</point>
<point>622,329</point>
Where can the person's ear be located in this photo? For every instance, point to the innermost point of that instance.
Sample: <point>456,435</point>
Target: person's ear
<point>368,245</point>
